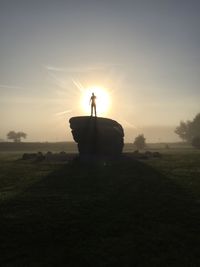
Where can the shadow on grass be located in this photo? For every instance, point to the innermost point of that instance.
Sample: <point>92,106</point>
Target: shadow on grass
<point>123,213</point>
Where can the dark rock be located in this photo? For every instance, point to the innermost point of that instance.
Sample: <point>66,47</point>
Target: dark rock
<point>48,155</point>
<point>157,155</point>
<point>62,156</point>
<point>97,136</point>
<point>28,156</point>
<point>136,152</point>
<point>148,154</point>
<point>40,156</point>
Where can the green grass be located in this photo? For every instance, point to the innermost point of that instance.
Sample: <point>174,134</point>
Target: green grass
<point>124,213</point>
<point>17,175</point>
<point>181,168</point>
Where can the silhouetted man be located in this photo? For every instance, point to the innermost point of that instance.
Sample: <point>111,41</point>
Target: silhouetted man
<point>93,104</point>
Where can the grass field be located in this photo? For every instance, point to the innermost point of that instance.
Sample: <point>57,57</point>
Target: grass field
<point>120,213</point>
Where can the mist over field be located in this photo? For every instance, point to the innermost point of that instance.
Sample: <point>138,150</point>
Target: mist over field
<point>155,134</point>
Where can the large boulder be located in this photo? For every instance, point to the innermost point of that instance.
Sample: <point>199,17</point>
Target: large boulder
<point>97,136</point>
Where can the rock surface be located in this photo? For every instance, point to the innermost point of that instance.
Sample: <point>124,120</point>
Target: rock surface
<point>97,136</point>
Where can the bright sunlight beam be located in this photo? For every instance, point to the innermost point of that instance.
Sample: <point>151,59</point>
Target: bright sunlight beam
<point>102,100</point>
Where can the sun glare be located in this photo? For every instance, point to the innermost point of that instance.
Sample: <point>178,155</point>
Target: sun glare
<point>102,100</point>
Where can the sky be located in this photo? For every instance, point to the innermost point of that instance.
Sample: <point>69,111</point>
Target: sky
<point>146,54</point>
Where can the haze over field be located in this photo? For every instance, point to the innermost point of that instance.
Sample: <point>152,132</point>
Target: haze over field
<point>144,54</point>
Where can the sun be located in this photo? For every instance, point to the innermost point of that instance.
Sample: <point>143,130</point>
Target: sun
<point>102,100</point>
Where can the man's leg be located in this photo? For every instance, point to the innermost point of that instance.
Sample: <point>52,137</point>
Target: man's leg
<point>95,111</point>
<point>91,110</point>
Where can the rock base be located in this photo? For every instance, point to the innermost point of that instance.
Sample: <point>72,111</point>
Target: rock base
<point>97,137</point>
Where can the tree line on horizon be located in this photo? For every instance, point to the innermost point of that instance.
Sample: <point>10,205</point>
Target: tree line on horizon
<point>188,131</point>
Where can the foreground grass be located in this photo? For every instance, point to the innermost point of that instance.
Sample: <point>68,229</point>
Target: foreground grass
<point>124,213</point>
<point>17,175</point>
<point>181,168</point>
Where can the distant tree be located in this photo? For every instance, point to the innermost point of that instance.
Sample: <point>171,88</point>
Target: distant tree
<point>195,127</point>
<point>16,137</point>
<point>190,130</point>
<point>196,142</point>
<point>140,142</point>
<point>183,130</point>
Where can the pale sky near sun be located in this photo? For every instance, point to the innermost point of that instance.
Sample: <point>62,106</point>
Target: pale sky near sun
<point>144,54</point>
